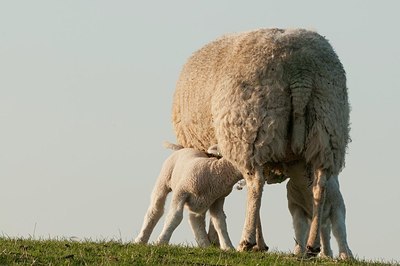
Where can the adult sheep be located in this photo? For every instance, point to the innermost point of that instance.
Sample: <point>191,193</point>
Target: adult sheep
<point>267,96</point>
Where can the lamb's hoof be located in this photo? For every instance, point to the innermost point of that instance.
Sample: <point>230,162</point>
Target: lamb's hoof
<point>262,248</point>
<point>227,248</point>
<point>213,238</point>
<point>245,246</point>
<point>312,252</point>
<point>139,241</point>
<point>345,256</point>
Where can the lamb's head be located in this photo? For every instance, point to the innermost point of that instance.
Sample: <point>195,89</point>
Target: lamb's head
<point>229,169</point>
<point>273,172</point>
<point>273,175</point>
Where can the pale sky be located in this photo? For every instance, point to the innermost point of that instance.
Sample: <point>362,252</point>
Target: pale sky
<point>85,103</point>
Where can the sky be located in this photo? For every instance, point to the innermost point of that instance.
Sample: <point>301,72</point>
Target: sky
<point>85,103</point>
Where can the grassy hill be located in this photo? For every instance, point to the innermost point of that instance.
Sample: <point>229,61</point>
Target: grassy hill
<point>63,252</point>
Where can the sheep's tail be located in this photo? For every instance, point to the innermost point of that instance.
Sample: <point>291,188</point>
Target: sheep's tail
<point>300,92</point>
<point>172,146</point>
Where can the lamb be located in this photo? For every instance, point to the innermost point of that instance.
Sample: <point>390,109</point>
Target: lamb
<point>198,182</point>
<point>300,199</point>
<point>267,96</point>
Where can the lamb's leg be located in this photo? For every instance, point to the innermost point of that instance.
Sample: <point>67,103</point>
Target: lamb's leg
<point>319,185</point>
<point>198,224</point>
<point>212,234</point>
<point>255,184</point>
<point>301,226</point>
<point>154,212</point>
<point>173,218</point>
<point>338,218</point>
<point>326,250</point>
<point>218,218</point>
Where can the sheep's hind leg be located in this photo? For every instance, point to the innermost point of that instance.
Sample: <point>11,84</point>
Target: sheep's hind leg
<point>319,185</point>
<point>198,224</point>
<point>255,184</point>
<point>218,218</point>
<point>174,218</point>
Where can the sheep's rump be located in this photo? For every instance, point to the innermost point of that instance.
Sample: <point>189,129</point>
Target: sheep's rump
<point>268,95</point>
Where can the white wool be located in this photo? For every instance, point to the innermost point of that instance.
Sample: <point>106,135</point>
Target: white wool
<point>198,182</point>
<point>267,96</point>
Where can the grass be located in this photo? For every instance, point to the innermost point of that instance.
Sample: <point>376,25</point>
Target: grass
<point>64,252</point>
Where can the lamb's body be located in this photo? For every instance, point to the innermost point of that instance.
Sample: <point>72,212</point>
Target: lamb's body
<point>198,182</point>
<point>300,198</point>
<point>267,96</point>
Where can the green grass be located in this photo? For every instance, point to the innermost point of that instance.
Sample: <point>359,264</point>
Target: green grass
<point>64,252</point>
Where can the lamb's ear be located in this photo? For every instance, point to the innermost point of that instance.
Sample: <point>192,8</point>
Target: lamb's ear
<point>213,150</point>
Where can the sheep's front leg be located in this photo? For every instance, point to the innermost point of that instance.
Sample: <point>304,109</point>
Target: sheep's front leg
<point>255,184</point>
<point>319,185</point>
<point>261,246</point>
<point>198,224</point>
<point>219,221</point>
<point>173,219</point>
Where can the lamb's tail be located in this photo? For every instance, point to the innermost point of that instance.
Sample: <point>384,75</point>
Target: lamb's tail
<point>300,92</point>
<point>172,146</point>
<point>213,151</point>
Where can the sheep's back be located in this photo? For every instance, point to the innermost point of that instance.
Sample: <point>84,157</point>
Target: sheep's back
<point>191,113</point>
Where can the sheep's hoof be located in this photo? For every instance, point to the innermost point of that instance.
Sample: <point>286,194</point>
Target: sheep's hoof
<point>312,252</point>
<point>262,248</point>
<point>245,246</point>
